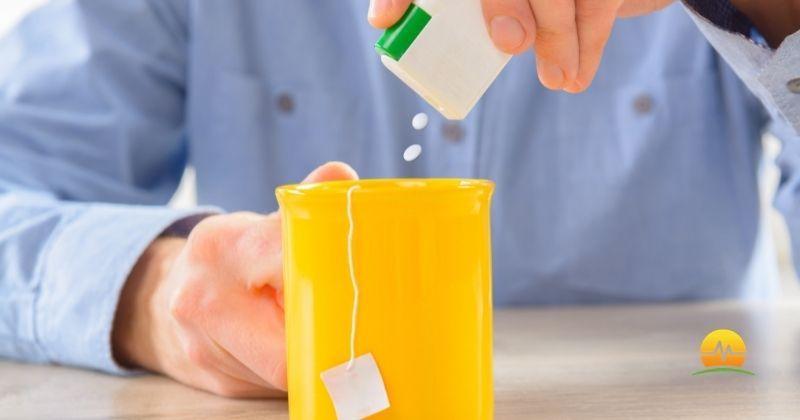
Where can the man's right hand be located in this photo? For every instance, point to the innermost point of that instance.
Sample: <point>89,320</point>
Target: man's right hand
<point>208,310</point>
<point>567,36</point>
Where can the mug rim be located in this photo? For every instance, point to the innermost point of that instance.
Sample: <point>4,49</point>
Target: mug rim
<point>384,185</point>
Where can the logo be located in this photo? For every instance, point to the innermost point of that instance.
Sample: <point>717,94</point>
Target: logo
<point>723,351</point>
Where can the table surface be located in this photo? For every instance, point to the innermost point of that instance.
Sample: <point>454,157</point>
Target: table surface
<point>574,362</point>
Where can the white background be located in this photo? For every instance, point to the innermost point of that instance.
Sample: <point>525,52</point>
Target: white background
<point>12,10</point>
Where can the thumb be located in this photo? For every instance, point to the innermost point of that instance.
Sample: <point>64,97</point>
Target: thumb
<point>385,13</point>
<point>331,171</point>
<point>632,8</point>
<point>264,248</point>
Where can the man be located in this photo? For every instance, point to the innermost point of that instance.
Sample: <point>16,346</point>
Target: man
<point>642,188</point>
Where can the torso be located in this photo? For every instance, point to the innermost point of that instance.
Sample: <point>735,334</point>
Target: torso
<point>642,188</point>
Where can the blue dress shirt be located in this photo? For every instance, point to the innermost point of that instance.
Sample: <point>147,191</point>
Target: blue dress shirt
<point>644,188</point>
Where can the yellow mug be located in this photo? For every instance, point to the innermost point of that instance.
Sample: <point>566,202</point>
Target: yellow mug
<point>421,256</point>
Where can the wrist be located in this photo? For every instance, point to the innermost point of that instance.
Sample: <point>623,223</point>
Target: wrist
<point>133,336</point>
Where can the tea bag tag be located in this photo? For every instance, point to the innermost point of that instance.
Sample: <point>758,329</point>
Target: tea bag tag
<point>358,392</point>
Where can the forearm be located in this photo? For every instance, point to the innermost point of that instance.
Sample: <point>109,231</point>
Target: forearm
<point>774,19</point>
<point>62,267</point>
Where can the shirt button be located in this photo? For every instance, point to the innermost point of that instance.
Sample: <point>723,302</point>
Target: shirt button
<point>453,132</point>
<point>643,104</point>
<point>794,85</point>
<point>285,103</point>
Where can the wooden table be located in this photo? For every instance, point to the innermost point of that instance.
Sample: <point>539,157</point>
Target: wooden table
<point>579,362</point>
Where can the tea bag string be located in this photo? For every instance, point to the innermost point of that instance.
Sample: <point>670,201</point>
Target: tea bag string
<point>351,266</point>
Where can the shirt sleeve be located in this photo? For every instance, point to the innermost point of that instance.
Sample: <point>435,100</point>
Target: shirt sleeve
<point>772,75</point>
<point>787,195</point>
<point>91,148</point>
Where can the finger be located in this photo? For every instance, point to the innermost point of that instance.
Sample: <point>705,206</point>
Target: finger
<point>231,366</point>
<point>262,244</point>
<point>258,341</point>
<point>631,8</point>
<point>201,368</point>
<point>203,353</point>
<point>246,247</point>
<point>557,54</point>
<point>256,255</point>
<point>510,24</point>
<point>595,19</point>
<point>220,383</point>
<point>385,13</point>
<point>331,171</point>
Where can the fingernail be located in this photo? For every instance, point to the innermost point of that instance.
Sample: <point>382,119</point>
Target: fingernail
<point>506,32</point>
<point>550,74</point>
<point>574,87</point>
<point>379,8</point>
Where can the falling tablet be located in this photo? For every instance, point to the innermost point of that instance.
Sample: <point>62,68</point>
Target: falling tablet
<point>412,152</point>
<point>420,121</point>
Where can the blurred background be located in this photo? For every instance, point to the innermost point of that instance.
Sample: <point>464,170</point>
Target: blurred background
<point>772,249</point>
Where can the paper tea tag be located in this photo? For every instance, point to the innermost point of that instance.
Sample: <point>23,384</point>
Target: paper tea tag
<point>356,393</point>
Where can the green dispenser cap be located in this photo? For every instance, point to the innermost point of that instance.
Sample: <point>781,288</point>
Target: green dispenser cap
<point>395,41</point>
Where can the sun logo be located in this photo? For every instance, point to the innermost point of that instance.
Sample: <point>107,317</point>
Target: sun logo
<point>723,351</point>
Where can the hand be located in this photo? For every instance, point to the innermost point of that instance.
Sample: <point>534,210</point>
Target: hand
<point>568,36</point>
<point>208,310</point>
